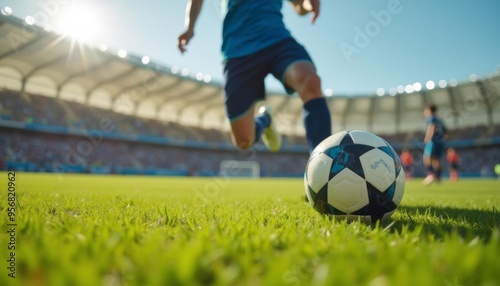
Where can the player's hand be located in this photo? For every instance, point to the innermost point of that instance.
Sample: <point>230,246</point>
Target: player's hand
<point>183,40</point>
<point>312,6</point>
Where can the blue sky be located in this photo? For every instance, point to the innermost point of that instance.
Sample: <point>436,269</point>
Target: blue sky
<point>357,45</point>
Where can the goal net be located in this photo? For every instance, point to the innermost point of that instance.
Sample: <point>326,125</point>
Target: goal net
<point>232,168</point>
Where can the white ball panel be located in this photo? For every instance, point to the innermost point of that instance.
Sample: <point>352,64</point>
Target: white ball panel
<point>400,188</point>
<point>378,168</point>
<point>366,138</point>
<point>347,191</point>
<point>318,171</point>
<point>333,140</point>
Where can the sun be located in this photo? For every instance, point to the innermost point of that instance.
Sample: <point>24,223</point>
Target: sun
<point>80,22</point>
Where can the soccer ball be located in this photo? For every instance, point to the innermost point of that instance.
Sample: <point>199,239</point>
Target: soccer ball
<point>354,175</point>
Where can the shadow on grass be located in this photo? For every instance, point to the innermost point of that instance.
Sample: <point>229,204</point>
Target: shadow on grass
<point>442,221</point>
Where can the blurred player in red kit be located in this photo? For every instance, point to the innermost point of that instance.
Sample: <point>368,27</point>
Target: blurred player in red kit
<point>407,162</point>
<point>453,160</point>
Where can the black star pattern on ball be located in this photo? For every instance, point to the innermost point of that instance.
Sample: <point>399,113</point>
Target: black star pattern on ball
<point>320,202</point>
<point>379,204</point>
<point>346,155</point>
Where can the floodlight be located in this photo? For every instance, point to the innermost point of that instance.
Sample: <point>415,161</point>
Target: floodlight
<point>409,88</point>
<point>6,11</point>
<point>442,83</point>
<point>29,20</point>
<point>380,91</point>
<point>122,53</point>
<point>430,85</point>
<point>393,91</point>
<point>417,86</point>
<point>207,78</point>
<point>400,88</point>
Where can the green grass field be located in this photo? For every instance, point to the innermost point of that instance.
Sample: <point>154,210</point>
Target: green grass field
<point>115,230</point>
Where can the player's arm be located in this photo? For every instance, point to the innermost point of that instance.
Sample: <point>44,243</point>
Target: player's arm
<point>193,9</point>
<point>430,132</point>
<point>304,7</point>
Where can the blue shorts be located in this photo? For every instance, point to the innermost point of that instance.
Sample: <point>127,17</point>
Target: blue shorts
<point>244,76</point>
<point>434,149</point>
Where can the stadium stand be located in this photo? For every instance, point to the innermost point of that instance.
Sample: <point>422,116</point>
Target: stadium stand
<point>46,140</point>
<point>103,113</point>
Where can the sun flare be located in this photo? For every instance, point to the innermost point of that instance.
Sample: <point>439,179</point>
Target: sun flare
<point>80,22</point>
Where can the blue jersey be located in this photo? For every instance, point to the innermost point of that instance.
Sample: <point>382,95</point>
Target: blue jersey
<point>440,128</point>
<point>250,26</point>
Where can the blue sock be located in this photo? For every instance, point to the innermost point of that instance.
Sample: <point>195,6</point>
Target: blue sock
<point>262,121</point>
<point>317,121</point>
<point>438,174</point>
<point>430,170</point>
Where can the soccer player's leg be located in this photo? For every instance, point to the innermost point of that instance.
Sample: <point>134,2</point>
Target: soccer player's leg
<point>243,130</point>
<point>266,126</point>
<point>294,67</point>
<point>247,129</point>
<point>428,164</point>
<point>437,153</point>
<point>454,172</point>
<point>436,167</point>
<point>244,86</point>
<point>302,77</point>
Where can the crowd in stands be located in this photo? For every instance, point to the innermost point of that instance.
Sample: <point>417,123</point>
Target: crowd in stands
<point>41,151</point>
<point>51,111</point>
<point>45,152</point>
<point>30,109</point>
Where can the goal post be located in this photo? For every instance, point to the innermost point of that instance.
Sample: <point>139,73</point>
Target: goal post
<point>233,168</point>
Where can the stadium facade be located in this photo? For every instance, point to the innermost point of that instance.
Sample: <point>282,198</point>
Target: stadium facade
<point>105,95</point>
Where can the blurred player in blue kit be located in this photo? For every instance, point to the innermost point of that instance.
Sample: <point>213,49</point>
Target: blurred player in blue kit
<point>434,140</point>
<point>256,43</point>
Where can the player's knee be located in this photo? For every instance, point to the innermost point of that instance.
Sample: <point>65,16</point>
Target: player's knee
<point>244,143</point>
<point>310,88</point>
<point>312,81</point>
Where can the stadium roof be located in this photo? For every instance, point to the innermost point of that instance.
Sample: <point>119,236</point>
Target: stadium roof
<point>38,61</point>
